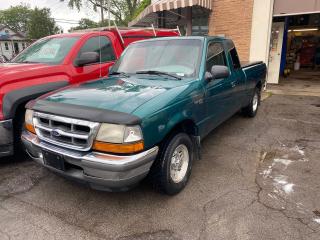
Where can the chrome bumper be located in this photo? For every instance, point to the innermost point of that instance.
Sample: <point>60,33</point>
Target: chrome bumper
<point>6,138</point>
<point>100,171</point>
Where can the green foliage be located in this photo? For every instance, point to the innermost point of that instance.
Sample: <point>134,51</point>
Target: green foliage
<point>85,23</point>
<point>16,17</point>
<point>123,11</point>
<point>142,6</point>
<point>37,23</point>
<point>41,24</point>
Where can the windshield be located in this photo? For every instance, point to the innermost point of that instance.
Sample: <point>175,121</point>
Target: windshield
<point>49,50</point>
<point>179,57</point>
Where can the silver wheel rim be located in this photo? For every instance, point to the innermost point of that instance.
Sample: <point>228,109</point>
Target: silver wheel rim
<point>255,102</point>
<point>179,163</point>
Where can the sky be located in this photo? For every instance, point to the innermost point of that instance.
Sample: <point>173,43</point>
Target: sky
<point>64,16</point>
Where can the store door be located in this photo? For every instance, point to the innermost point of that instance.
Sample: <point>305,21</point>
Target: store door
<point>275,52</point>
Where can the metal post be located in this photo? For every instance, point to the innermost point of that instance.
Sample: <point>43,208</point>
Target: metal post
<point>109,20</point>
<point>178,29</point>
<point>119,32</point>
<point>101,11</point>
<point>154,31</point>
<point>189,21</point>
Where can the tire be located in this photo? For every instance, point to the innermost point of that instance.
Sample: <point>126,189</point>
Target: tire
<point>252,109</point>
<point>162,171</point>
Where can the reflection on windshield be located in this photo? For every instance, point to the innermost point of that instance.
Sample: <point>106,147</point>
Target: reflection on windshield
<point>50,50</point>
<point>180,57</point>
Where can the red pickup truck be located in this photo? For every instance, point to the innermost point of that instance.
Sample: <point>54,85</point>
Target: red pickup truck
<point>55,62</point>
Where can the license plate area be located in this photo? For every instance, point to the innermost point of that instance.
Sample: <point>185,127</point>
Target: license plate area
<point>54,160</point>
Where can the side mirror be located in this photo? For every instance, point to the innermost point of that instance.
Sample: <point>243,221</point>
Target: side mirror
<point>87,58</point>
<point>219,72</point>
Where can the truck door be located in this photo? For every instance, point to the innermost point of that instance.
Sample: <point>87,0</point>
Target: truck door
<point>103,46</point>
<point>218,92</point>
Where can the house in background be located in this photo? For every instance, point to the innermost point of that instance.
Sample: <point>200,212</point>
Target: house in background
<point>11,42</point>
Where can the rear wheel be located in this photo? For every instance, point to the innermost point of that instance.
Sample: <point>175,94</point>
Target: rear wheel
<point>252,109</point>
<point>171,171</point>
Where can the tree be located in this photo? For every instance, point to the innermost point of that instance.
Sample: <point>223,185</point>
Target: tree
<point>123,11</point>
<point>16,17</point>
<point>41,24</point>
<point>85,23</point>
<point>36,23</point>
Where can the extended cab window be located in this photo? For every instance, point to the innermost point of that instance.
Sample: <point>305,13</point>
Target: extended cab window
<point>97,45</point>
<point>235,58</point>
<point>215,55</point>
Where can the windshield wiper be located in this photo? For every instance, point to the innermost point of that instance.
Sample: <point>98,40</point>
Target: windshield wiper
<point>153,72</point>
<point>119,73</point>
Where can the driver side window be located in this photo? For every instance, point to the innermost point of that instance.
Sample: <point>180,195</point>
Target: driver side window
<point>215,56</point>
<point>99,45</point>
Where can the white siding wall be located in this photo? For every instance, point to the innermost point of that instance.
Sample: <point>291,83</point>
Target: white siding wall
<point>261,30</point>
<point>9,52</point>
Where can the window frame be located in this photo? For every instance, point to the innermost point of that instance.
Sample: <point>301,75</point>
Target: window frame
<point>233,64</point>
<point>88,39</point>
<point>224,54</point>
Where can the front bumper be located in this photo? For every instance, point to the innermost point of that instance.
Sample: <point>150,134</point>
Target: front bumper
<point>6,138</point>
<point>98,170</point>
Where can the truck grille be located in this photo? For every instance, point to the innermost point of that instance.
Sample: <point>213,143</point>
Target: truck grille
<point>66,132</point>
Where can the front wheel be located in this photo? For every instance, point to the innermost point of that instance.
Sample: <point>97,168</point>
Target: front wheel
<point>252,109</point>
<point>172,169</point>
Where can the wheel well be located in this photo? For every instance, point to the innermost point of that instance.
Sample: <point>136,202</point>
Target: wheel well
<point>186,126</point>
<point>259,85</point>
<point>20,110</point>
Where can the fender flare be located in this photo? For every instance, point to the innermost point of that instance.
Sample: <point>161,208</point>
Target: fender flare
<point>13,99</point>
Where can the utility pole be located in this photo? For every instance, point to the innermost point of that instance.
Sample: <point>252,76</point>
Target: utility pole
<point>109,20</point>
<point>101,11</point>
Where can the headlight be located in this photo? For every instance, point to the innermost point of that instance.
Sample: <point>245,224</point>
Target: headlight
<point>119,139</point>
<point>29,121</point>
<point>111,133</point>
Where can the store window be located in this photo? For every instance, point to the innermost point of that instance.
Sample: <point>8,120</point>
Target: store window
<point>200,21</point>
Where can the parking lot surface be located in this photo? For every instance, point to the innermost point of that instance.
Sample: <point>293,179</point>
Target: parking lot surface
<point>257,179</point>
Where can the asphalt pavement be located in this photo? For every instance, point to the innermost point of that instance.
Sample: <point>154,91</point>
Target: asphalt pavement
<point>257,179</point>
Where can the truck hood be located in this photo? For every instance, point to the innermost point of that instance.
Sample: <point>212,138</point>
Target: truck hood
<point>17,71</point>
<point>114,93</point>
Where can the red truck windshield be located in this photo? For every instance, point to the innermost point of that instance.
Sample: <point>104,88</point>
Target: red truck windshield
<point>49,50</point>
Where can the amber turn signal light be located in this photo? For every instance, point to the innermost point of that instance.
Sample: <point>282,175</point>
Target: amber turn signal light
<point>118,148</point>
<point>30,128</point>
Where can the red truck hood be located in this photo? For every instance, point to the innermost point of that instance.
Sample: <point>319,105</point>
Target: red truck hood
<point>23,71</point>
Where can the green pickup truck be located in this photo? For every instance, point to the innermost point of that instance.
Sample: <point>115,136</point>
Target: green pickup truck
<point>148,118</point>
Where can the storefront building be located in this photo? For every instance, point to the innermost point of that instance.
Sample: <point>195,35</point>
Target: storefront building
<point>267,30</point>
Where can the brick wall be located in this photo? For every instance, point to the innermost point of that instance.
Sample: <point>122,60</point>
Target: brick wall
<point>233,19</point>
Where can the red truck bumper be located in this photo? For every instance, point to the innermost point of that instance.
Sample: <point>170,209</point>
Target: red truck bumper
<point>6,138</point>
